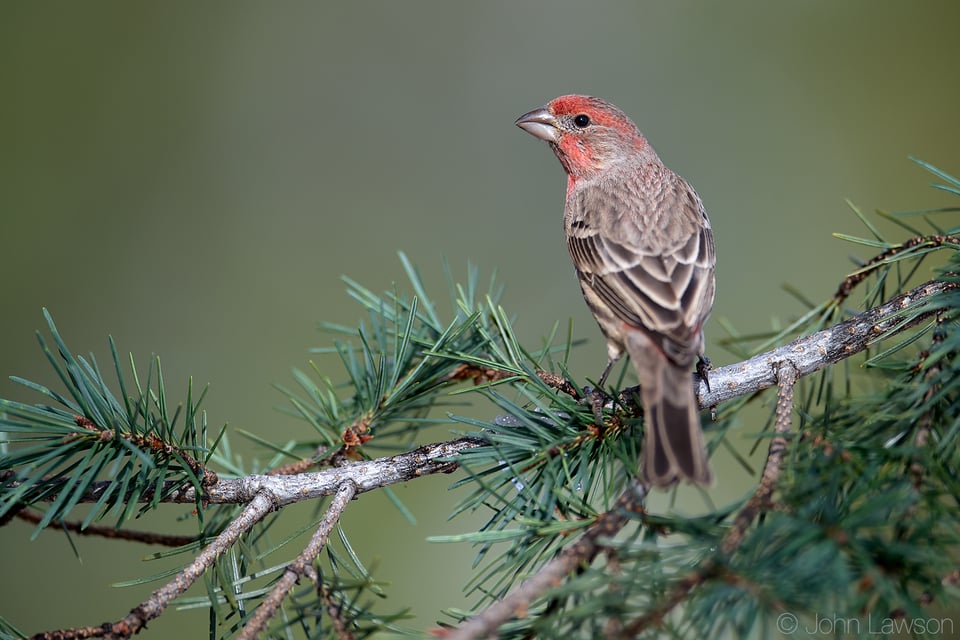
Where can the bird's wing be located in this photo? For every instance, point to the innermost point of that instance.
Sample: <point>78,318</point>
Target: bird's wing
<point>648,255</point>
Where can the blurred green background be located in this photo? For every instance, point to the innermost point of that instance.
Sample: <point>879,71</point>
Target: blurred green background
<point>193,178</point>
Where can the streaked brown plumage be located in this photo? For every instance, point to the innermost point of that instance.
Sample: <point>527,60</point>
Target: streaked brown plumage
<point>642,246</point>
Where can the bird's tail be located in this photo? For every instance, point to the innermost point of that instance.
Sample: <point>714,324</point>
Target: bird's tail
<point>673,447</point>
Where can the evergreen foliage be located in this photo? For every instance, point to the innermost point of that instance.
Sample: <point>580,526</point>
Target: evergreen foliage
<point>864,524</point>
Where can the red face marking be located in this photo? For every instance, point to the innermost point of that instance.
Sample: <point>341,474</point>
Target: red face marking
<point>600,113</point>
<point>589,136</point>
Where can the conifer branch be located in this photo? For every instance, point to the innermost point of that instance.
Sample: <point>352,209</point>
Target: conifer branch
<point>782,366</point>
<point>286,489</point>
<point>879,260</point>
<point>816,351</point>
<point>264,494</point>
<point>288,484</point>
<point>808,354</point>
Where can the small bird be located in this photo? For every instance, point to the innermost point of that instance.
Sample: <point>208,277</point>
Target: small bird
<point>642,246</point>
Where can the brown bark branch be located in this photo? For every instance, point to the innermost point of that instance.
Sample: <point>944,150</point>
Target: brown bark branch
<point>655,616</point>
<point>146,537</point>
<point>151,444</point>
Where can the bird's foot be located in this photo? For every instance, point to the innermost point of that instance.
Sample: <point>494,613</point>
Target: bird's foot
<point>597,398</point>
<point>704,366</point>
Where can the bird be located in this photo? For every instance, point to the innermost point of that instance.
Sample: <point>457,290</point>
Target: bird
<point>643,249</point>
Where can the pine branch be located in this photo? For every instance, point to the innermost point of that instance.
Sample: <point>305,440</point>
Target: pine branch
<point>405,360</point>
<point>782,366</point>
<point>814,352</point>
<point>913,244</point>
<point>807,354</point>
<point>263,493</point>
<point>287,489</point>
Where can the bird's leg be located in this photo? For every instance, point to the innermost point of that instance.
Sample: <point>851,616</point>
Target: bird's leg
<point>606,372</point>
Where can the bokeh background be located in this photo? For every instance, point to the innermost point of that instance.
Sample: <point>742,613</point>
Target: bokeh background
<point>193,179</point>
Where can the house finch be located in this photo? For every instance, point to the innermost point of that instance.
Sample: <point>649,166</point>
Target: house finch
<point>643,250</point>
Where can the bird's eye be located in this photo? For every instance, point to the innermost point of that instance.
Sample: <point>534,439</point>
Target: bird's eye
<point>581,121</point>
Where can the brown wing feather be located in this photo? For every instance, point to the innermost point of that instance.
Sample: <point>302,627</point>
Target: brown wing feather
<point>643,248</point>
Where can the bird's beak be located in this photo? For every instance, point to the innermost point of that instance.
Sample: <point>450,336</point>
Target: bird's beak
<point>540,123</point>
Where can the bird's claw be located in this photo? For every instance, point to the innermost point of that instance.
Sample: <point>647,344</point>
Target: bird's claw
<point>597,398</point>
<point>704,366</point>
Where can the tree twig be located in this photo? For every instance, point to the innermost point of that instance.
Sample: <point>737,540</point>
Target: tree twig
<point>258,508</point>
<point>146,537</point>
<point>264,494</point>
<point>655,615</point>
<point>304,562</point>
<point>808,355</point>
